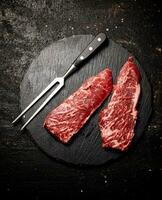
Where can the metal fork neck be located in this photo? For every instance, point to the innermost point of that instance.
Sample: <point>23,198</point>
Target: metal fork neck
<point>71,69</point>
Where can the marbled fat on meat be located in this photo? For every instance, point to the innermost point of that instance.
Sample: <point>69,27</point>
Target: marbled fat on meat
<point>118,119</point>
<point>70,116</point>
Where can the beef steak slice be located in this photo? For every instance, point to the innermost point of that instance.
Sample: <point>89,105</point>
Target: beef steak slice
<point>118,119</point>
<point>70,116</point>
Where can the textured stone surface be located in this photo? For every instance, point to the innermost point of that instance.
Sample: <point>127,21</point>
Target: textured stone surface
<point>27,27</point>
<point>85,147</point>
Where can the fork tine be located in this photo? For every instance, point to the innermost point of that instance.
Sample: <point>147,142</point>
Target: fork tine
<point>61,84</point>
<point>36,99</point>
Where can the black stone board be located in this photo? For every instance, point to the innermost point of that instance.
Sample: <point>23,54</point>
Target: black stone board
<point>84,148</point>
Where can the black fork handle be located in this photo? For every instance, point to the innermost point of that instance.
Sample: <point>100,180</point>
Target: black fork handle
<point>90,49</point>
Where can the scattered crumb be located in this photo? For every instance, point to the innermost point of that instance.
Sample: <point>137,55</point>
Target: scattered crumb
<point>158,49</point>
<point>116,27</point>
<point>46,25</point>
<point>105,181</point>
<point>150,170</point>
<point>72,28</point>
<point>107,29</point>
<point>81,190</point>
<point>87,27</point>
<point>122,20</point>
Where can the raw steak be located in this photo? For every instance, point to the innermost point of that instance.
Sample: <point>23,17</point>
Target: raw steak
<point>67,119</point>
<point>118,119</point>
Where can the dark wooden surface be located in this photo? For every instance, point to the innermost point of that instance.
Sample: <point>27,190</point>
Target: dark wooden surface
<point>27,27</point>
<point>86,147</point>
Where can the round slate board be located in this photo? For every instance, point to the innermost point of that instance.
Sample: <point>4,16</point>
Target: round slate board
<point>85,146</point>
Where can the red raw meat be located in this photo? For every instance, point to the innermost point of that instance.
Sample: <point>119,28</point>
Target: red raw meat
<point>67,119</point>
<point>118,119</point>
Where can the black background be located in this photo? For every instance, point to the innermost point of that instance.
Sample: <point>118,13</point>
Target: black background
<point>27,26</point>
